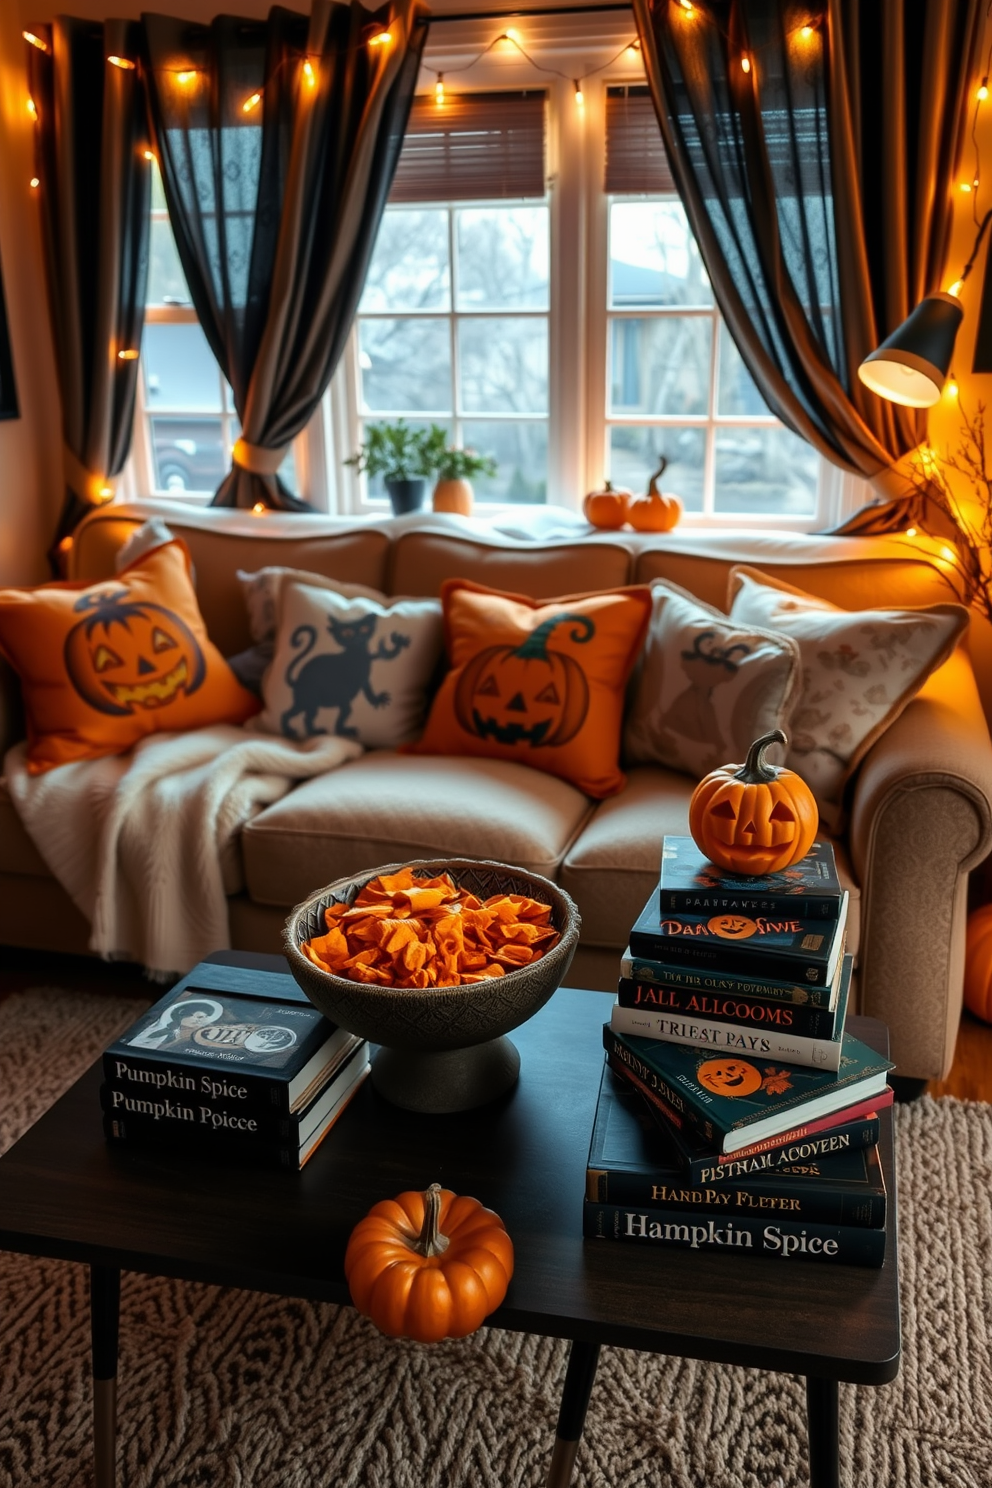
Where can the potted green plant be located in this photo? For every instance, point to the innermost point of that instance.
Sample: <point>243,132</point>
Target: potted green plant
<point>453,470</point>
<point>397,453</point>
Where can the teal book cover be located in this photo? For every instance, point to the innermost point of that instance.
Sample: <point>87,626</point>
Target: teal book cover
<point>690,881</point>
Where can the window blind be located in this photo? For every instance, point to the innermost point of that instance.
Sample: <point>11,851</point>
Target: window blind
<point>635,156</point>
<point>474,146</point>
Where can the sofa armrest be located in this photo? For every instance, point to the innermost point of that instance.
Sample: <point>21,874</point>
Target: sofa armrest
<point>921,818</point>
<point>11,708</point>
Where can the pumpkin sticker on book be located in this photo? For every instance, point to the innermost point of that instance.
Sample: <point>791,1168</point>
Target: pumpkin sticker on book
<point>729,1077</point>
<point>102,665</point>
<point>538,683</point>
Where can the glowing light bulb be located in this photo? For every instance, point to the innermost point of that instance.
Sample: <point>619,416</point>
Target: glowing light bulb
<point>687,6</point>
<point>956,288</point>
<point>439,90</point>
<point>983,90</point>
<point>947,553</point>
<point>35,41</point>
<point>951,389</point>
<point>258,510</point>
<point>806,32</point>
<point>308,73</point>
<point>148,154</point>
<point>251,103</point>
<point>965,186</point>
<point>34,183</point>
<point>512,34</point>
<point>128,355</point>
<point>578,94</point>
<point>745,63</point>
<point>910,531</point>
<point>32,108</point>
<point>380,39</point>
<point>106,492</point>
<point>186,77</point>
<point>634,50</point>
<point>124,63</point>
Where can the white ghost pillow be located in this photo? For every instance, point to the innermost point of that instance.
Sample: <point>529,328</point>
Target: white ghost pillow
<point>352,667</point>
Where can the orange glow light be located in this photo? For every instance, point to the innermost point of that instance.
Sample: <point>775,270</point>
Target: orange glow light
<point>148,154</point>
<point>579,99</point>
<point>35,41</point>
<point>32,108</point>
<point>981,95</point>
<point>951,389</point>
<point>956,287</point>
<point>308,73</point>
<point>439,90</point>
<point>251,103</point>
<point>186,77</point>
<point>130,355</point>
<point>381,39</point>
<point>965,186</point>
<point>34,183</point>
<point>745,63</point>
<point>259,509</point>
<point>124,63</point>
<point>910,531</point>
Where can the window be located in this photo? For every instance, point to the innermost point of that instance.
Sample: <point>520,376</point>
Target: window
<point>676,385</point>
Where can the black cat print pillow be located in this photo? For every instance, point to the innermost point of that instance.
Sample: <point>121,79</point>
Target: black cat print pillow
<point>351,667</point>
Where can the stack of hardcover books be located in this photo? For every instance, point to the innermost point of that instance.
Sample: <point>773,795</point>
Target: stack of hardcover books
<point>233,1064</point>
<point>734,1111</point>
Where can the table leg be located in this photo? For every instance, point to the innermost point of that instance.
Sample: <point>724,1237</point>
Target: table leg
<point>582,1360</point>
<point>824,1437</point>
<point>105,1306</point>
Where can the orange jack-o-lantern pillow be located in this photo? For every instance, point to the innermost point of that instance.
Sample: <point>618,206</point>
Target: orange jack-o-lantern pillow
<point>542,684</point>
<point>102,665</point>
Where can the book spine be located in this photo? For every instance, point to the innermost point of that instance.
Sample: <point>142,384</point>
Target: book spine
<point>715,901</point>
<point>196,1113</point>
<point>132,1131</point>
<point>642,969</point>
<point>784,965</point>
<point>808,1140</point>
<point>155,1079</point>
<point>700,1033</point>
<point>777,1195</point>
<point>758,1013</point>
<point>677,1108</point>
<point>781,1238</point>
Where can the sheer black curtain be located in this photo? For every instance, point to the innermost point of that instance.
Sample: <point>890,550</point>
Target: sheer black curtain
<point>93,183</point>
<point>814,151</point>
<point>277,142</point>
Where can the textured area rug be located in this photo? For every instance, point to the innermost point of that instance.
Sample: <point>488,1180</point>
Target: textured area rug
<point>225,1389</point>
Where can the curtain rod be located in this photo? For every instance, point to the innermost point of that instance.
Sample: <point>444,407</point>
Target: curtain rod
<point>508,15</point>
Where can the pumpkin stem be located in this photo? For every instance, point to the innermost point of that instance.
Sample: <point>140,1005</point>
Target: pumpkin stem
<point>653,487</point>
<point>535,646</point>
<point>755,770</point>
<point>430,1241</point>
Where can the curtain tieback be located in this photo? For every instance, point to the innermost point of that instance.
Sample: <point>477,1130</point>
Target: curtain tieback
<point>258,459</point>
<point>85,482</point>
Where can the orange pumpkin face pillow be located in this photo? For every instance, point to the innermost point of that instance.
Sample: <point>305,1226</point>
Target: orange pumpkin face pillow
<point>542,684</point>
<point>102,665</point>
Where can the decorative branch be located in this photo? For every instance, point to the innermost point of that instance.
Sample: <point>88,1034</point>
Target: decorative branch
<point>971,520</point>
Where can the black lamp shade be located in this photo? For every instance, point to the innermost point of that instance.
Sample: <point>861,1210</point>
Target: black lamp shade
<point>911,365</point>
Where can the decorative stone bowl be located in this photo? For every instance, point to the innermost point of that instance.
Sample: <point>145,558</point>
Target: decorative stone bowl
<point>442,1049</point>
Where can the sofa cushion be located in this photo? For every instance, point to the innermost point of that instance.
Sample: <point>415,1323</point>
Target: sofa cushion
<point>542,684</point>
<point>419,563</point>
<point>615,861</point>
<point>389,808</point>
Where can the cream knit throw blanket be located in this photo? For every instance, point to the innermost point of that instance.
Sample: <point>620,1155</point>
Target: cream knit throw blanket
<point>143,841</point>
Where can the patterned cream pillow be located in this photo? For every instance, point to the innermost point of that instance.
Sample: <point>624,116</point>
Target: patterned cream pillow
<point>262,589</point>
<point>354,667</point>
<point>706,687</point>
<point>860,669</point>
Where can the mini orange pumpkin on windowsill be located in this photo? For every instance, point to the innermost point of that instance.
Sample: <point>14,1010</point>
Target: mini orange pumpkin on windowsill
<point>754,818</point>
<point>428,1265</point>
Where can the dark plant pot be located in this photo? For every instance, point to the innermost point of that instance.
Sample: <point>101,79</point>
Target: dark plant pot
<point>406,495</point>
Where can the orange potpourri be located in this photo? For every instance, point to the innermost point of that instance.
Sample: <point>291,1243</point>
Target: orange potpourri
<point>403,931</point>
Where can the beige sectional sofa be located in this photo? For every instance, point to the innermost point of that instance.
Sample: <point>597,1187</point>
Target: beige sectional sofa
<point>920,810</point>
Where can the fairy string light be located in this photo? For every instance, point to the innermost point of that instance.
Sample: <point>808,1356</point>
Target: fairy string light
<point>513,38</point>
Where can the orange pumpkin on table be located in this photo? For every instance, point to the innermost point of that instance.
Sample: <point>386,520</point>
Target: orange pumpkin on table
<point>607,508</point>
<point>754,818</point>
<point>978,964</point>
<point>654,512</point>
<point>428,1265</point>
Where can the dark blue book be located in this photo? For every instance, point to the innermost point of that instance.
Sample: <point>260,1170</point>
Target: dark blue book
<point>633,1161</point>
<point>783,1239</point>
<point>691,883</point>
<point>745,984</point>
<point>784,946</point>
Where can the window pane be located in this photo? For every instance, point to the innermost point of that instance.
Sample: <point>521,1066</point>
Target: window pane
<point>737,393</point>
<point>765,470</point>
<point>406,365</point>
<point>409,268</point>
<point>653,257</point>
<point>635,456</point>
<point>188,454</point>
<point>661,366</point>
<point>504,364</point>
<point>503,261</point>
<point>166,280</point>
<point>179,367</point>
<point>521,450</point>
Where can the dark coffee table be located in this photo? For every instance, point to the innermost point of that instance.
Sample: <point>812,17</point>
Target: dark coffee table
<point>65,1193</point>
